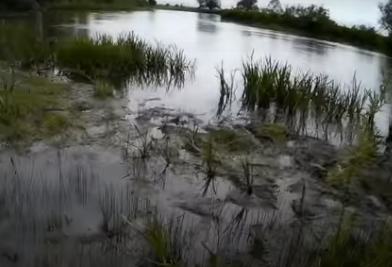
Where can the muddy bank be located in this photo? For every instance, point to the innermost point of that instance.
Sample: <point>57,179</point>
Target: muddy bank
<point>85,195</point>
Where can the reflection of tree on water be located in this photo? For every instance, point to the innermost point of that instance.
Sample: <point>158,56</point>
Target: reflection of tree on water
<point>207,23</point>
<point>310,45</point>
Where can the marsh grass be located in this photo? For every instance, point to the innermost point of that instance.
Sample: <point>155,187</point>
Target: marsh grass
<point>275,132</point>
<point>231,140</point>
<point>247,170</point>
<point>210,164</point>
<point>125,59</point>
<point>227,91</point>
<point>20,46</point>
<point>103,89</point>
<point>362,156</point>
<point>300,100</point>
<point>91,5</point>
<point>26,107</point>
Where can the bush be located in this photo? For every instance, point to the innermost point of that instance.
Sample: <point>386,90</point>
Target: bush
<point>312,21</point>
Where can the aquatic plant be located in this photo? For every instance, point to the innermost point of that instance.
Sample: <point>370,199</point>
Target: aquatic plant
<point>102,89</point>
<point>247,170</point>
<point>124,59</point>
<point>210,164</point>
<point>227,91</point>
<point>297,100</point>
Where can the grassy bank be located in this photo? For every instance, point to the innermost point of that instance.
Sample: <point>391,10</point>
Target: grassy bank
<point>75,5</point>
<point>31,107</point>
<point>90,5</point>
<point>186,9</point>
<point>310,25</point>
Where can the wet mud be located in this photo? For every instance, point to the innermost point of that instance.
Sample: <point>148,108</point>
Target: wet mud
<point>82,198</point>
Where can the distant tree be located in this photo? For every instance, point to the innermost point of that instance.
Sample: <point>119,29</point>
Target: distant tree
<point>275,6</point>
<point>247,4</point>
<point>210,4</point>
<point>386,16</point>
<point>152,2</point>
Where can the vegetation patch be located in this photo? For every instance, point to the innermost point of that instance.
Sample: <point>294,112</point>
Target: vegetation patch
<point>272,131</point>
<point>231,140</point>
<point>310,21</point>
<point>96,5</point>
<point>126,59</point>
<point>27,108</point>
<point>103,89</point>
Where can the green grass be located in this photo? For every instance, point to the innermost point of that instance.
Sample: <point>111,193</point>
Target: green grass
<point>321,28</point>
<point>274,132</point>
<point>26,108</point>
<point>296,100</point>
<point>19,45</point>
<point>96,5</point>
<point>103,89</point>
<point>127,59</point>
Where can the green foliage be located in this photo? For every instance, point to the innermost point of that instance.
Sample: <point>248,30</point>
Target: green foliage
<point>273,131</point>
<point>230,140</point>
<point>247,4</point>
<point>89,5</point>
<point>103,89</point>
<point>300,98</point>
<point>127,59</point>
<point>24,110</point>
<point>362,156</point>
<point>311,21</point>
<point>55,123</point>
<point>23,5</point>
<point>210,4</point>
<point>346,249</point>
<point>152,2</point>
<point>386,15</point>
<point>20,46</point>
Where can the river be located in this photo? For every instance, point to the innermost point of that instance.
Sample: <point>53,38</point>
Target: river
<point>211,42</point>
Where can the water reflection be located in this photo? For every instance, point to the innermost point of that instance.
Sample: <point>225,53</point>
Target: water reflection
<point>204,38</point>
<point>311,45</point>
<point>207,23</point>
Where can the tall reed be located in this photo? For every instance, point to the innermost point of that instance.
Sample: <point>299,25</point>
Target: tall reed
<point>125,59</point>
<point>300,99</point>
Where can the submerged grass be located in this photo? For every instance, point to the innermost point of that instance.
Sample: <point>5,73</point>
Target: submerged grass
<point>298,100</point>
<point>125,59</point>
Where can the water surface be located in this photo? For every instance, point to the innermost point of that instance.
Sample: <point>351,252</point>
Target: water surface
<point>212,43</point>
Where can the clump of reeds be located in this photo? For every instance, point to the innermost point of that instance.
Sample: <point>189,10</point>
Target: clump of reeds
<point>210,164</point>
<point>227,90</point>
<point>272,87</point>
<point>125,59</point>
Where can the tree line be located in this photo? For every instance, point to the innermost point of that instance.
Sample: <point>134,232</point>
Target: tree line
<point>317,12</point>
